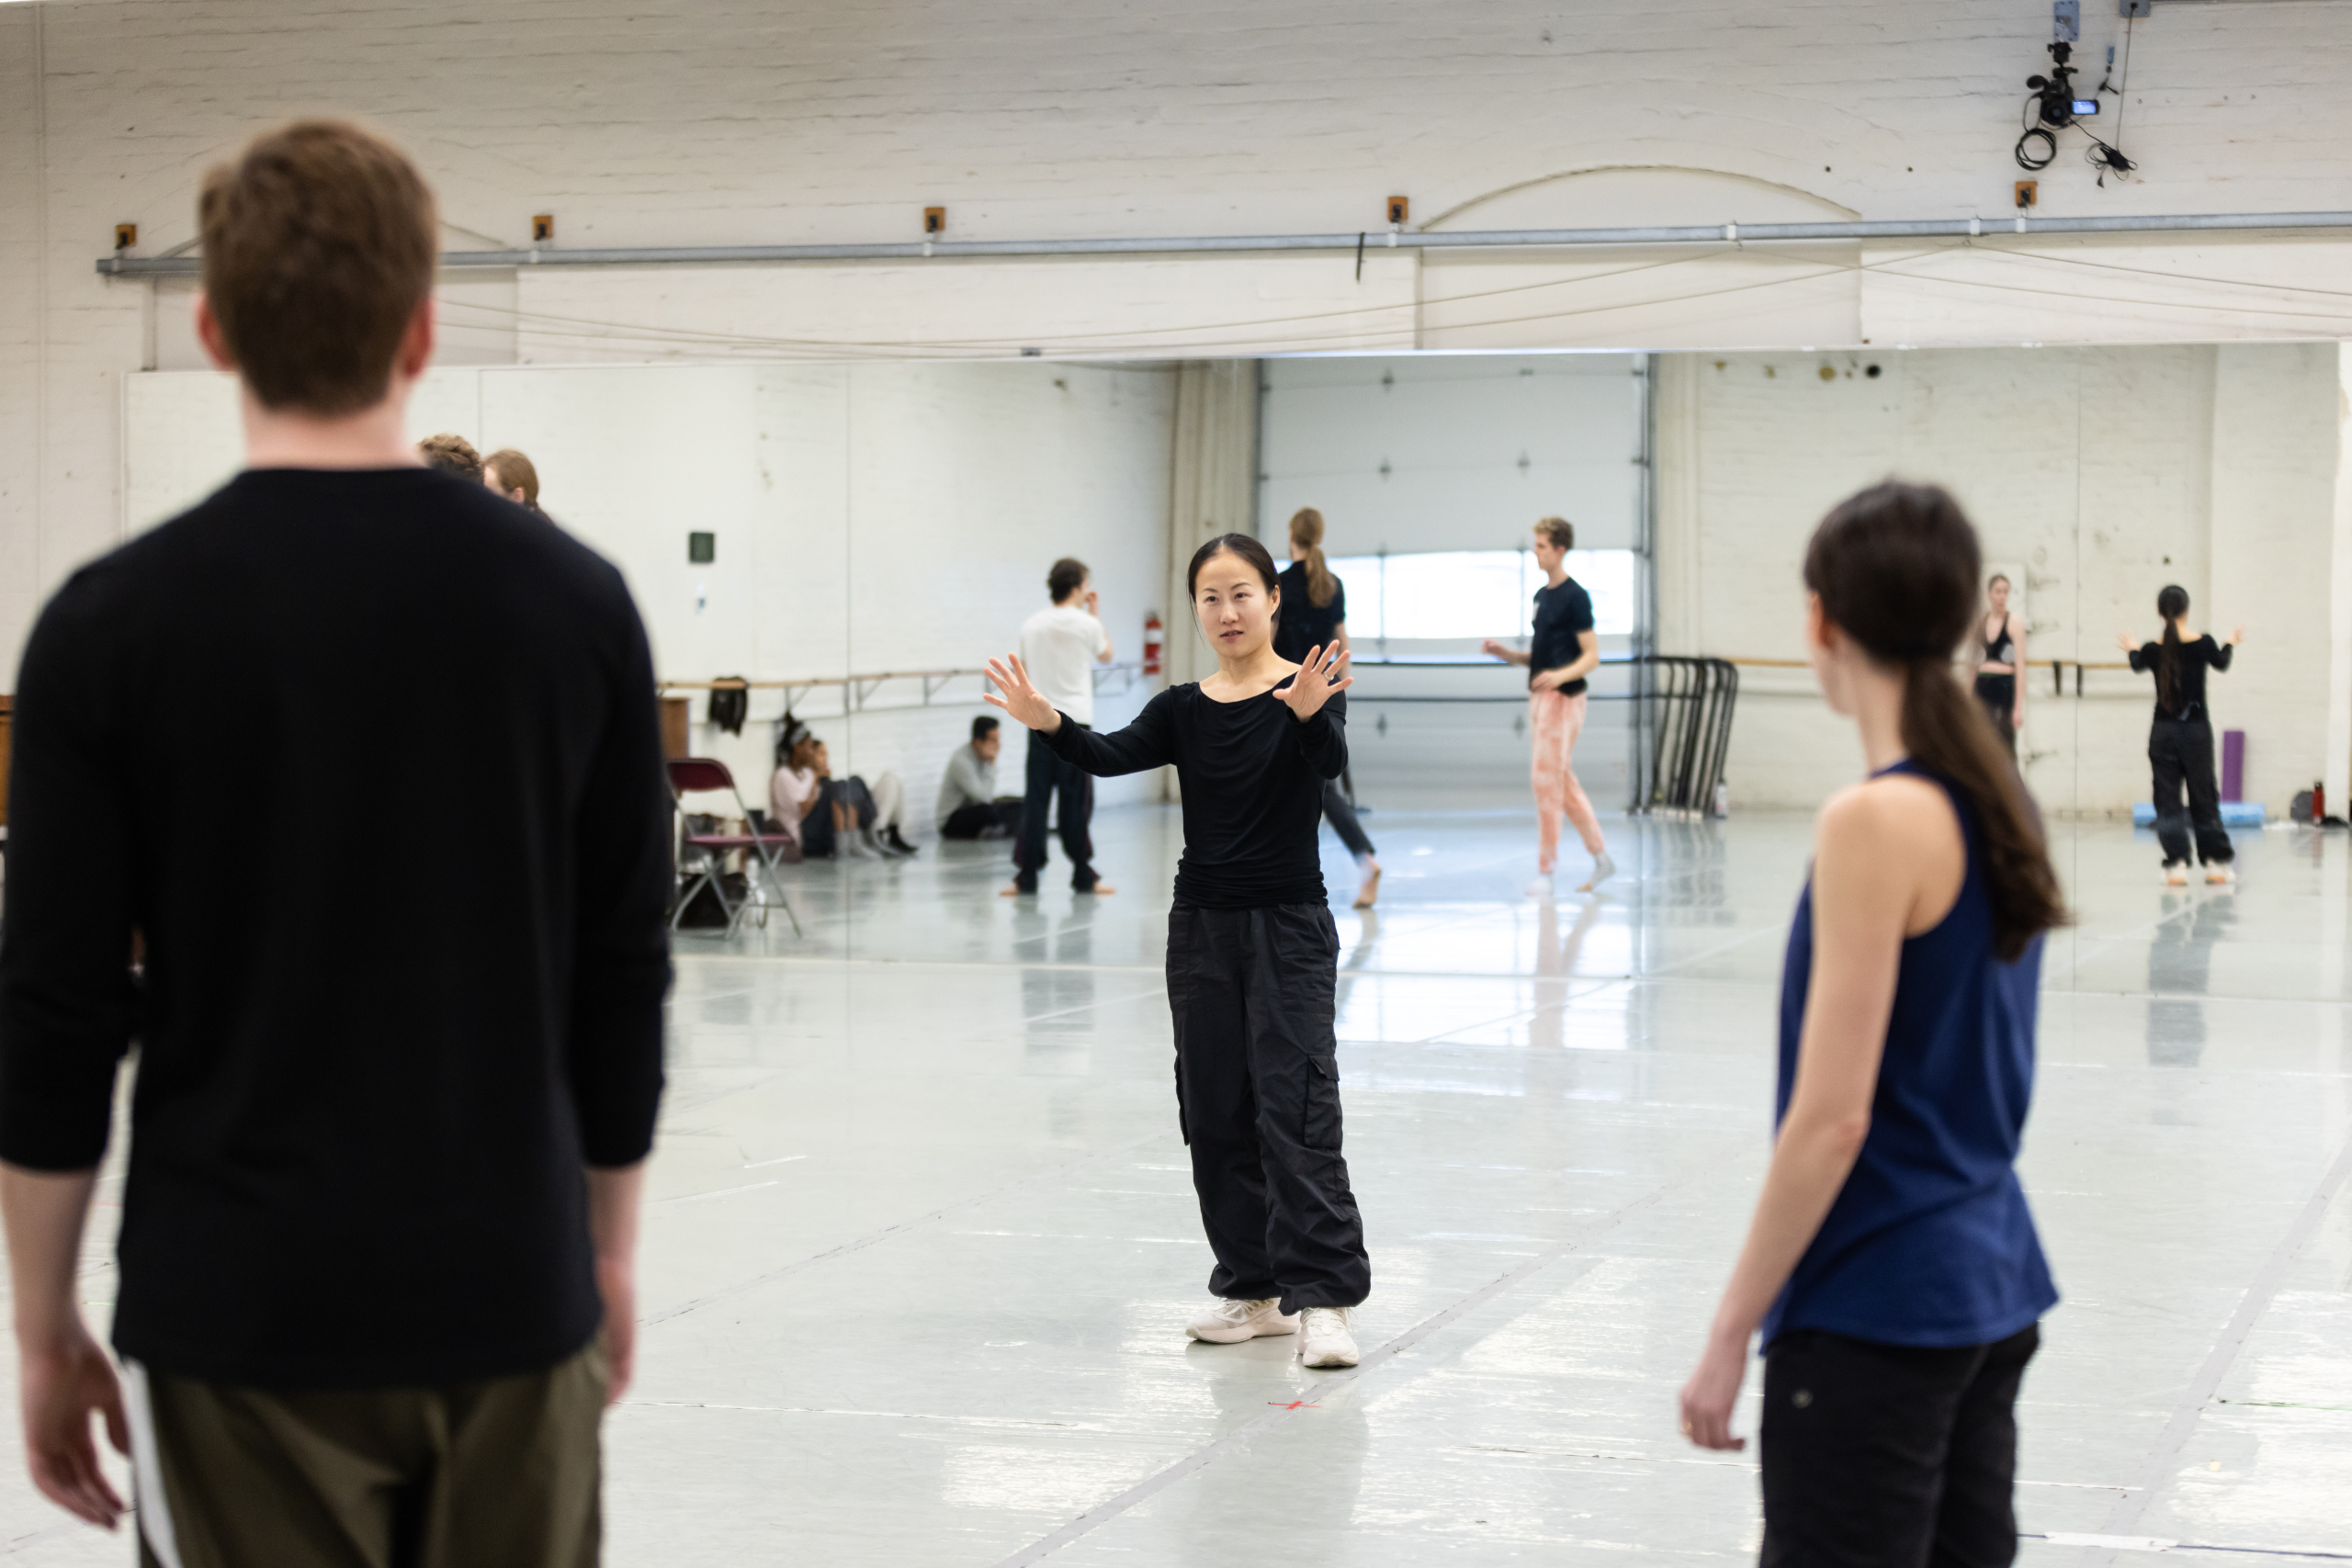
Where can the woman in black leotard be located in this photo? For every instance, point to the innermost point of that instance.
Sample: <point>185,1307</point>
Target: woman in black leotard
<point>2000,664</point>
<point>1252,954</point>
<point>2180,740</point>
<point>1315,615</point>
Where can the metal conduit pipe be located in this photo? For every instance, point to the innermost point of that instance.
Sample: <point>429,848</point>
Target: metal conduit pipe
<point>1490,239</point>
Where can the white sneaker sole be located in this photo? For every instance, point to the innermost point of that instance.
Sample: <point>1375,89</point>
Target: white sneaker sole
<point>1264,1328</point>
<point>1331,1356</point>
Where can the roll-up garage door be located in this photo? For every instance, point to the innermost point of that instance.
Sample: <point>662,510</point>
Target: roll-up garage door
<point>1429,471</point>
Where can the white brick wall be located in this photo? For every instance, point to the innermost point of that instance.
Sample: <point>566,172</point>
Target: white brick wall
<point>2094,476</point>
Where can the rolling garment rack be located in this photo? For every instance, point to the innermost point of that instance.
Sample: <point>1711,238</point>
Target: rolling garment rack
<point>1684,708</point>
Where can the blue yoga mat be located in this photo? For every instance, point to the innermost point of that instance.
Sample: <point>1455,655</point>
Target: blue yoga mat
<point>2234,814</point>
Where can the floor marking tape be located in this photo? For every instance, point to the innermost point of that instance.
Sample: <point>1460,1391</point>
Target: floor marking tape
<point>1243,1435</point>
<point>2158,1468</point>
<point>1089,1007</point>
<point>2118,1543</point>
<point>2087,945</point>
<point>901,1228</point>
<point>719,1192</point>
<point>2154,1543</point>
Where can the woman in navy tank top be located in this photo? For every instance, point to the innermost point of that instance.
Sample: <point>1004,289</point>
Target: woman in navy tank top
<point>1892,1267</point>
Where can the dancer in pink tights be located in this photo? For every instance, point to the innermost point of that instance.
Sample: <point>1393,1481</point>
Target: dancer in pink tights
<point>1562,651</point>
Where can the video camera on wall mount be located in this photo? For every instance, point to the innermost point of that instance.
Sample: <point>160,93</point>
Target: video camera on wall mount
<point>2054,94</point>
<point>2054,104</point>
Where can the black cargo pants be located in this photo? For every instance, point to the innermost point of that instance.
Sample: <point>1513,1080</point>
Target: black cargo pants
<point>2180,754</point>
<point>1257,1094</point>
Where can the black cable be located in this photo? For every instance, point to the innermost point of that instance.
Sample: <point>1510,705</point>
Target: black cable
<point>2106,159</point>
<point>2122,92</point>
<point>2049,143</point>
<point>2103,156</point>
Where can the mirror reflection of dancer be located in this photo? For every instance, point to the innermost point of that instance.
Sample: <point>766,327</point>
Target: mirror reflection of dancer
<point>1253,953</point>
<point>1563,649</point>
<point>1315,615</point>
<point>2180,740</point>
<point>1061,645</point>
<point>1999,656</point>
<point>1892,1263</point>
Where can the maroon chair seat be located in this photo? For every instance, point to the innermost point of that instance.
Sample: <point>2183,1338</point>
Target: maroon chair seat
<point>695,776</point>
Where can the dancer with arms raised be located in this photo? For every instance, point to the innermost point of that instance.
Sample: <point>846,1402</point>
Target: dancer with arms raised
<point>2180,740</point>
<point>1253,953</point>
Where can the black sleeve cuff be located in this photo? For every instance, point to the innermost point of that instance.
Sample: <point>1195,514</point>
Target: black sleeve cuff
<point>56,1108</point>
<point>1062,737</point>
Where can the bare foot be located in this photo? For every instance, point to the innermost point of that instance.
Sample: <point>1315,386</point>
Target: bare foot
<point>1016,891</point>
<point>1370,892</point>
<point>1101,890</point>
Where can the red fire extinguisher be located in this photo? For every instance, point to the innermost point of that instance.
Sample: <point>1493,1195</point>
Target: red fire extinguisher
<point>1151,629</point>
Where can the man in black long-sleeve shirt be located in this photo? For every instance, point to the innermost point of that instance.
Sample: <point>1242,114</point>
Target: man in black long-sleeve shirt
<point>369,758</point>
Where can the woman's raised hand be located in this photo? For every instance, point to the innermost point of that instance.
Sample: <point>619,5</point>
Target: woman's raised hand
<point>1017,696</point>
<point>1324,671</point>
<point>2123,640</point>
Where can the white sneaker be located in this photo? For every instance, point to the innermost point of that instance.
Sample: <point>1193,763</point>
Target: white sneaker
<point>2176,876</point>
<point>1542,886</point>
<point>1324,1340</point>
<point>2220,875</point>
<point>1603,868</point>
<point>1231,1321</point>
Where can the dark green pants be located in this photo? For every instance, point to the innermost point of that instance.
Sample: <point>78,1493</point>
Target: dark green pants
<point>502,1473</point>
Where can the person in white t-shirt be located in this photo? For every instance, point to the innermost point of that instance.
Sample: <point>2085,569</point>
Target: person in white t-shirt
<point>1061,647</point>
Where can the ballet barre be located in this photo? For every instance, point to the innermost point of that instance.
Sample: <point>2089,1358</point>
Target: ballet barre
<point>2058,672</point>
<point>858,690</point>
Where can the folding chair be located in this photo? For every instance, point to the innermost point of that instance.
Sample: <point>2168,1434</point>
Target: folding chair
<point>694,775</point>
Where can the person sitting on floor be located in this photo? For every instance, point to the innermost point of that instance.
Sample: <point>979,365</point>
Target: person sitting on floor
<point>969,807</point>
<point>833,817</point>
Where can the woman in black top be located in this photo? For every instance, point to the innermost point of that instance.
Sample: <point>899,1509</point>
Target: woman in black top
<point>1252,954</point>
<point>2180,740</point>
<point>2000,660</point>
<point>1315,615</point>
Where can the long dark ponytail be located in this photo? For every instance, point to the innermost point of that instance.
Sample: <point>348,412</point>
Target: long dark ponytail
<point>1306,542</point>
<point>2172,604</point>
<point>1895,567</point>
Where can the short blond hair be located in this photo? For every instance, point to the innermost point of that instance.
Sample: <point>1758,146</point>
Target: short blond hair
<point>1557,531</point>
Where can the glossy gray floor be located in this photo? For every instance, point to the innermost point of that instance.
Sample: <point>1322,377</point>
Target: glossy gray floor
<point>922,1237</point>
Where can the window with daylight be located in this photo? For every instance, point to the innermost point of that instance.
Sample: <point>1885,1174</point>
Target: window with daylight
<point>1454,594</point>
